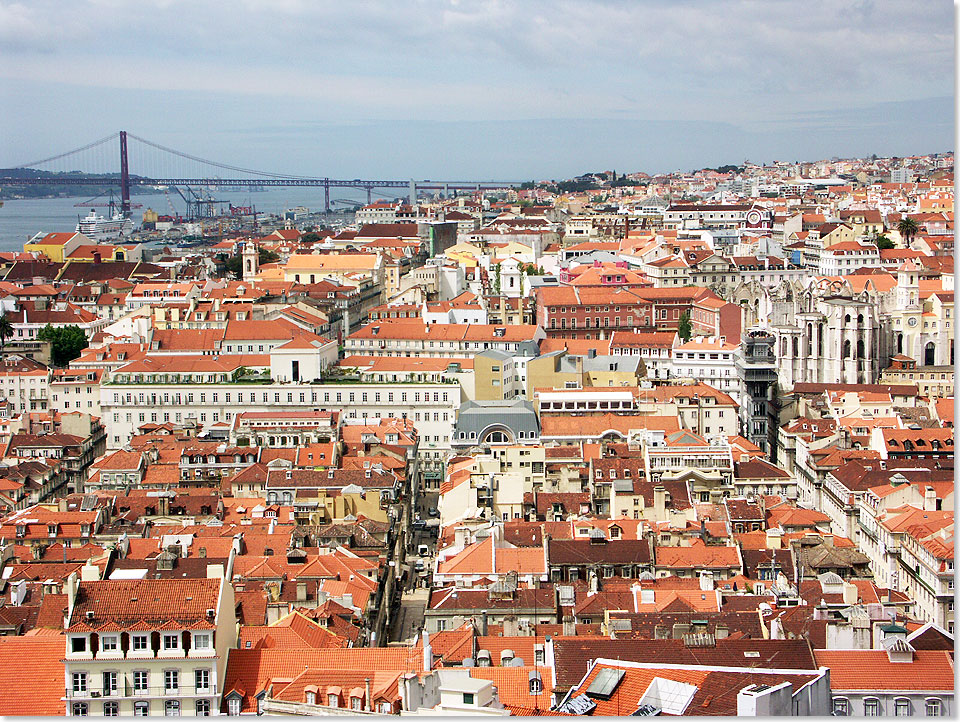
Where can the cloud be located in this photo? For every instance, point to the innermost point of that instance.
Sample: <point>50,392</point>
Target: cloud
<point>169,67</point>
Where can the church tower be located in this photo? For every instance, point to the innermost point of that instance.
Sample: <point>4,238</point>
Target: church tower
<point>251,260</point>
<point>908,285</point>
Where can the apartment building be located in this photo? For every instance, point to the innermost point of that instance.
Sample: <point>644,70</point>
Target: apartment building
<point>24,383</point>
<point>147,647</point>
<point>413,339</point>
<point>128,402</point>
<point>711,361</point>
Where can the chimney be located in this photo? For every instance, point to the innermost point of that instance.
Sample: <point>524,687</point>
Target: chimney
<point>850,593</point>
<point>427,652</point>
<point>18,592</point>
<point>301,591</point>
<point>774,538</point>
<point>569,628</point>
<point>367,703</point>
<point>483,623</point>
<point>96,256</point>
<point>89,572</point>
<point>929,499</point>
<point>659,503</point>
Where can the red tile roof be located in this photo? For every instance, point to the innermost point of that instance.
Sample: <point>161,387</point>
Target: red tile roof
<point>31,675</point>
<point>871,669</point>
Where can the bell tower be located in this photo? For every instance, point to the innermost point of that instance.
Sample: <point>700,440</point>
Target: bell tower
<point>251,260</point>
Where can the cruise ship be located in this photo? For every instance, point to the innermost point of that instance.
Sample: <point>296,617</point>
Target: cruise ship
<point>98,228</point>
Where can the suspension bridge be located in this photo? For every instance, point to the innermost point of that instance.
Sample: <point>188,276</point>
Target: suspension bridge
<point>156,165</point>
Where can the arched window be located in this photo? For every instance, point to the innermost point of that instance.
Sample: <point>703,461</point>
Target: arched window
<point>809,340</point>
<point>860,349</point>
<point>860,318</point>
<point>929,354</point>
<point>841,706</point>
<point>846,349</point>
<point>871,707</point>
<point>783,346</point>
<point>902,707</point>
<point>934,707</point>
<point>899,343</point>
<point>846,318</point>
<point>796,346</point>
<point>820,339</point>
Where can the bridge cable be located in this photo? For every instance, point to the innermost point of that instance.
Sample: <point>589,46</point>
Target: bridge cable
<point>224,166</point>
<point>110,137</point>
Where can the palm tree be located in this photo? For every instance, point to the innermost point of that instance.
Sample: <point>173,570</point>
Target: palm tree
<point>908,228</point>
<point>6,331</point>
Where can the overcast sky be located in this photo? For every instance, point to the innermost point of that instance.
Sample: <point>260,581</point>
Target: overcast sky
<point>474,89</point>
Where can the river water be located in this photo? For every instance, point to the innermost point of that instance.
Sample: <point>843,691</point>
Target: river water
<point>22,219</point>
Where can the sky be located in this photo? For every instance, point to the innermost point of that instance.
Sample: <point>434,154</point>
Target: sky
<point>476,89</point>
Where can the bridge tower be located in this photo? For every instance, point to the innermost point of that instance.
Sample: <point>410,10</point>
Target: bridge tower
<point>124,176</point>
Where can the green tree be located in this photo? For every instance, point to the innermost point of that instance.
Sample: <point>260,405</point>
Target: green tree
<point>310,237</point>
<point>234,265</point>
<point>268,256</point>
<point>6,331</point>
<point>883,242</point>
<point>66,342</point>
<point>685,330</point>
<point>496,280</point>
<point>908,228</point>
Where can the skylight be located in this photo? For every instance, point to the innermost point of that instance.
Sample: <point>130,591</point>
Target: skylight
<point>670,696</point>
<point>605,683</point>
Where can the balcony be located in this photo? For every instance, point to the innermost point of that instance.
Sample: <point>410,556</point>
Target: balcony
<point>126,691</point>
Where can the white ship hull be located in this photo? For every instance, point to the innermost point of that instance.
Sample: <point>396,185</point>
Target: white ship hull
<point>97,228</point>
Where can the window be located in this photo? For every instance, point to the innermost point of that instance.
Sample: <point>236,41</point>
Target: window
<point>201,640</point>
<point>871,707</point>
<point>356,703</point>
<point>79,681</point>
<point>333,700</point>
<point>77,644</point>
<point>171,680</point>
<point>141,709</point>
<point>311,697</point>
<point>841,707</point>
<point>934,707</point>
<point>468,697</point>
<point>109,683</point>
<point>111,709</point>
<point>138,641</point>
<point>203,708</point>
<point>233,706</point>
<point>171,708</point>
<point>140,681</point>
<point>201,678</point>
<point>171,641</point>
<point>385,708</point>
<point>902,707</point>
<point>80,709</point>
<point>109,643</point>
